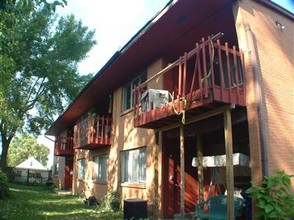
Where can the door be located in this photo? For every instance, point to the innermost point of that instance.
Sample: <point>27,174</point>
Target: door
<point>170,177</point>
<point>174,184</point>
<point>68,173</point>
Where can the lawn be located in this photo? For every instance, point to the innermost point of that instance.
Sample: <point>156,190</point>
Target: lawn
<point>39,203</point>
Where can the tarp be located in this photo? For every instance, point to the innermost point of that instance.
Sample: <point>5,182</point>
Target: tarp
<point>220,160</point>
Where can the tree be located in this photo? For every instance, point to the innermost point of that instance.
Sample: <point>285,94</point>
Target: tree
<point>24,146</point>
<point>38,66</point>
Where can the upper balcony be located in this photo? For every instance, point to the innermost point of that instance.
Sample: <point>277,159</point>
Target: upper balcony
<point>207,77</point>
<point>64,146</point>
<point>93,132</point>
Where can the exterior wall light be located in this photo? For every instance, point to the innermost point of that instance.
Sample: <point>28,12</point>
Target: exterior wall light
<point>280,25</point>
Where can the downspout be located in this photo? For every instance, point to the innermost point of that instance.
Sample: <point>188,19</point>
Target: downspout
<point>49,138</point>
<point>259,101</point>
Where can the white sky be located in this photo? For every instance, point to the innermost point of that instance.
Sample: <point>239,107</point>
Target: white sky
<point>115,23</point>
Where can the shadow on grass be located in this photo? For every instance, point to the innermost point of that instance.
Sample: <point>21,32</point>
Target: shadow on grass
<point>34,203</point>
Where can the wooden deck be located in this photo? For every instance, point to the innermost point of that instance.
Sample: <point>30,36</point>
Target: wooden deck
<point>93,132</point>
<point>209,76</point>
<point>64,147</point>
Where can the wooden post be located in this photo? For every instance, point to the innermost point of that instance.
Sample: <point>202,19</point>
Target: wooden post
<point>158,144</point>
<point>200,167</point>
<point>229,163</point>
<point>28,177</point>
<point>182,155</point>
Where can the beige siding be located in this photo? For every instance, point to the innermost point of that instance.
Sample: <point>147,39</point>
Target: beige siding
<point>60,176</point>
<point>127,137</point>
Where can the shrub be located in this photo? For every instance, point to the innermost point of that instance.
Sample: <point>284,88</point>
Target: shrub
<point>4,189</point>
<point>113,201</point>
<point>273,197</point>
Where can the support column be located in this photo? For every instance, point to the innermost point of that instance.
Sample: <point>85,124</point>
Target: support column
<point>158,144</point>
<point>229,163</point>
<point>182,156</point>
<point>200,167</point>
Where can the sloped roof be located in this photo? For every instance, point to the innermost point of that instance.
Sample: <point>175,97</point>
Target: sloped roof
<point>173,30</point>
<point>32,164</point>
<point>168,32</point>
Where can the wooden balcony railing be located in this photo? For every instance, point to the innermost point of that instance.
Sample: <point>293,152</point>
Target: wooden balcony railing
<point>64,146</point>
<point>209,75</point>
<point>93,132</point>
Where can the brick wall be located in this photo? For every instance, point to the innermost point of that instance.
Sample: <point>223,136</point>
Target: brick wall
<point>275,58</point>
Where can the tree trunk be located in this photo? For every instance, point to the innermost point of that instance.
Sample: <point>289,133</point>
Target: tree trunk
<point>5,146</point>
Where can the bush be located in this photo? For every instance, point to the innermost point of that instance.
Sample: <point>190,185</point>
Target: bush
<point>113,201</point>
<point>273,197</point>
<point>4,189</point>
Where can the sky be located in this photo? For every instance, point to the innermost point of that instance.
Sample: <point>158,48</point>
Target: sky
<point>115,22</point>
<point>287,4</point>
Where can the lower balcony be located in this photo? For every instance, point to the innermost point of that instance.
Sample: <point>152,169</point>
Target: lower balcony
<point>93,132</point>
<point>64,146</point>
<point>208,77</point>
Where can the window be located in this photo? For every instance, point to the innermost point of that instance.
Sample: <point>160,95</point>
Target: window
<point>81,168</point>
<point>128,91</point>
<point>56,169</point>
<point>35,174</point>
<point>100,170</point>
<point>18,173</point>
<point>133,166</point>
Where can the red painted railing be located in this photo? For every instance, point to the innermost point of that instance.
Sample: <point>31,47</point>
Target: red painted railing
<point>93,132</point>
<point>211,72</point>
<point>64,146</point>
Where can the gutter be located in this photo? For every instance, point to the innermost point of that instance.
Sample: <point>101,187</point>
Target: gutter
<point>259,101</point>
<point>147,25</point>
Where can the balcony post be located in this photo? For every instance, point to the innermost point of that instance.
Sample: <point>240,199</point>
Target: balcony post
<point>182,158</point>
<point>200,167</point>
<point>229,163</point>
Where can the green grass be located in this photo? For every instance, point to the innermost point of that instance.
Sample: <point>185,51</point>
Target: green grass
<point>38,203</point>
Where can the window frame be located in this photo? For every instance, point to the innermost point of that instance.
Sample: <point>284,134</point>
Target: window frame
<point>130,176</point>
<point>81,168</point>
<point>96,168</point>
<point>128,91</point>
<point>56,169</point>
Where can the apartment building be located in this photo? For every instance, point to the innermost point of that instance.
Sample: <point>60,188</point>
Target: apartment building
<point>200,101</point>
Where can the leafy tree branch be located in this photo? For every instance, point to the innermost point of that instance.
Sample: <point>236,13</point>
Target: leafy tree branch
<point>39,55</point>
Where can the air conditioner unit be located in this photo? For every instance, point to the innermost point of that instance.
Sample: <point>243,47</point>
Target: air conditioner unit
<point>154,98</point>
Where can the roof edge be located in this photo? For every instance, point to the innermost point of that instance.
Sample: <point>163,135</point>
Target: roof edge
<point>277,8</point>
<point>98,74</point>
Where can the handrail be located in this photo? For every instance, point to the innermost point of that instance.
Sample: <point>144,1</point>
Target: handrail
<point>178,61</point>
<point>94,130</point>
<point>218,71</point>
<point>63,145</point>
